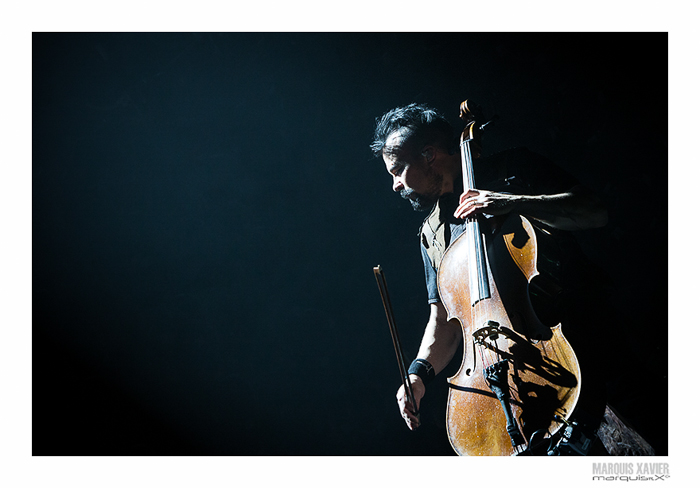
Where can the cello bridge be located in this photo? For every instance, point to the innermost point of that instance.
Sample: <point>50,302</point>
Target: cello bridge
<point>490,331</point>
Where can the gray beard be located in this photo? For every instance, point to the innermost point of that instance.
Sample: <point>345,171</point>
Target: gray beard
<point>425,201</point>
<point>419,202</point>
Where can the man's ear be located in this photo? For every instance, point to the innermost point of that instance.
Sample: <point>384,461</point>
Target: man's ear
<point>429,154</point>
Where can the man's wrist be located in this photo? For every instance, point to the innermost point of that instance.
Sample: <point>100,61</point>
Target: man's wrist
<point>423,369</point>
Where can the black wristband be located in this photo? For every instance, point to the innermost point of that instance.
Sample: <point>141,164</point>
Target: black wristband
<point>423,369</point>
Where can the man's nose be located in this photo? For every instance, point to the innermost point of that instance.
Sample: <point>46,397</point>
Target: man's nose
<point>398,185</point>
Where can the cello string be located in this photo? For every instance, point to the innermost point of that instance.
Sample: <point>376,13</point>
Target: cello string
<point>477,262</point>
<point>485,353</point>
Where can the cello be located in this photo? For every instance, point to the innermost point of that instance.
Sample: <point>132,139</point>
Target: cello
<point>519,378</point>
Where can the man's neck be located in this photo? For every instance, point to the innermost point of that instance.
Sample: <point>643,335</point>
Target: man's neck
<point>452,181</point>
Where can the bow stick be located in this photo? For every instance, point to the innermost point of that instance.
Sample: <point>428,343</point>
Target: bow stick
<point>384,292</point>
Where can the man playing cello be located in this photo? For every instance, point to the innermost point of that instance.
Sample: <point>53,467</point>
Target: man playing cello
<point>420,152</point>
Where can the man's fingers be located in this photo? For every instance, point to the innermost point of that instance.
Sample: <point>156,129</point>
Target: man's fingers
<point>411,420</point>
<point>467,208</point>
<point>406,409</point>
<point>468,194</point>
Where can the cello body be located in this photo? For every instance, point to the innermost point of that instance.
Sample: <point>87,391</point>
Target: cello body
<point>519,378</point>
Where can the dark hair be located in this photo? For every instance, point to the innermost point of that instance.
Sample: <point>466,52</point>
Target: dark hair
<point>420,124</point>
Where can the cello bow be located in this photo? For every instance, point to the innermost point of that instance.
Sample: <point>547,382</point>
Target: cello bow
<point>384,292</point>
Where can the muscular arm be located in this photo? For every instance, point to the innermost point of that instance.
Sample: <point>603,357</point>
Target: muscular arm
<point>440,339</point>
<point>440,342</point>
<point>576,209</point>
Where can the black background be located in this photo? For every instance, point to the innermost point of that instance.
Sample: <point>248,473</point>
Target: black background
<point>207,213</point>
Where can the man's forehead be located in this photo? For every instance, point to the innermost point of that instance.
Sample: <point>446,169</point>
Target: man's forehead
<point>395,138</point>
<point>394,142</point>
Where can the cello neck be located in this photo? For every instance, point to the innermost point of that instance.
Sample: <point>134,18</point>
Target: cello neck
<point>478,275</point>
<point>467,166</point>
<point>469,142</point>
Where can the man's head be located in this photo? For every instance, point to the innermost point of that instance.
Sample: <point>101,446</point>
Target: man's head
<point>418,148</point>
<point>419,125</point>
